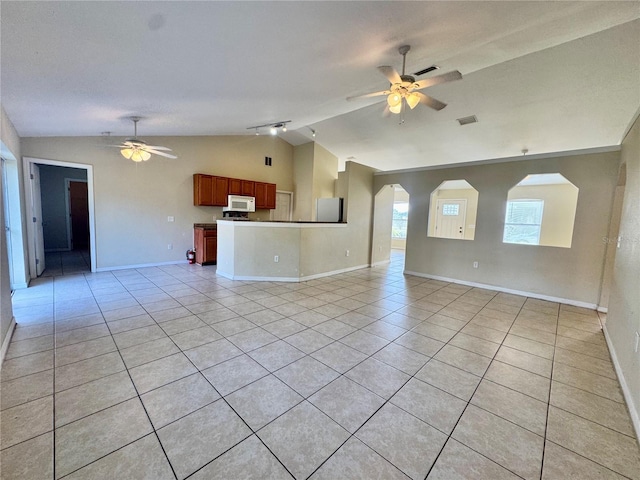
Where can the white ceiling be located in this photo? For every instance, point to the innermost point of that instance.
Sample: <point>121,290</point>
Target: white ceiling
<point>544,75</point>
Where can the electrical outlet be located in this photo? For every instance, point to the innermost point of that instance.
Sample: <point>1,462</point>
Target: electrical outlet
<point>171,219</point>
<point>475,264</point>
<point>346,253</point>
<point>276,258</point>
<point>170,246</point>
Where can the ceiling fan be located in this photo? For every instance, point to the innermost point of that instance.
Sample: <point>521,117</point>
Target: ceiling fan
<point>138,150</point>
<point>404,87</point>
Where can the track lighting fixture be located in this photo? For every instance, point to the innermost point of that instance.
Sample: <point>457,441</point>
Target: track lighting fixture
<point>273,127</point>
<point>313,132</point>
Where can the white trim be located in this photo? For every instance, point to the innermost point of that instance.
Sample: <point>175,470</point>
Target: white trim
<point>381,262</point>
<point>602,309</point>
<point>141,265</point>
<point>290,279</point>
<point>568,301</point>
<point>16,286</point>
<point>26,163</point>
<point>7,340</point>
<point>519,158</point>
<point>633,412</point>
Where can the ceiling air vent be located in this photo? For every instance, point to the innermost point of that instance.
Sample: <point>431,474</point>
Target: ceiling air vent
<point>467,120</point>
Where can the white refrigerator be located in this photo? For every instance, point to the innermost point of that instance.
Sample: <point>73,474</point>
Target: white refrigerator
<point>329,209</point>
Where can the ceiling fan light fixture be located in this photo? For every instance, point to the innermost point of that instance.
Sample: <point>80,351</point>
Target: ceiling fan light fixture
<point>394,99</point>
<point>413,99</point>
<point>396,108</point>
<point>273,131</point>
<point>127,153</point>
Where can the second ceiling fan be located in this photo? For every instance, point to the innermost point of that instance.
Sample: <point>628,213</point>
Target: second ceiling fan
<point>405,89</point>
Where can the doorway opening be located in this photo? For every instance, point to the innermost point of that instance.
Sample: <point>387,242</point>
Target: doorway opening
<point>61,229</point>
<point>390,225</point>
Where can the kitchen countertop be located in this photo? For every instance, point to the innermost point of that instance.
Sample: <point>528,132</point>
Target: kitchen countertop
<point>206,226</point>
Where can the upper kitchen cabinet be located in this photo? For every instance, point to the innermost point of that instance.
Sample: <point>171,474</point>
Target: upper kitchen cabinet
<point>265,195</point>
<point>238,186</point>
<point>209,190</point>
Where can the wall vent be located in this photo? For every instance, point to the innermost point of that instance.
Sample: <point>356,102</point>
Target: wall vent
<point>467,120</point>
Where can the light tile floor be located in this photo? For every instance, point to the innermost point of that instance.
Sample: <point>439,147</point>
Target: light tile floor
<point>66,263</point>
<point>173,372</point>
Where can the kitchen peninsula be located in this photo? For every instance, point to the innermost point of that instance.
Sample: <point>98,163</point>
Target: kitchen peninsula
<point>284,251</point>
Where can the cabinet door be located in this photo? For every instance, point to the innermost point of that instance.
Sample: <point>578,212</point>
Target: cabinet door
<point>211,249</point>
<point>202,189</point>
<point>220,191</point>
<point>261,195</point>
<point>248,188</point>
<point>198,243</point>
<point>235,186</point>
<point>271,196</point>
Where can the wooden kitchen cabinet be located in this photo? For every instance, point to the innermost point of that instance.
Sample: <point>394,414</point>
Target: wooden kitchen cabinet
<point>209,190</point>
<point>205,239</point>
<point>220,191</point>
<point>265,195</point>
<point>237,186</point>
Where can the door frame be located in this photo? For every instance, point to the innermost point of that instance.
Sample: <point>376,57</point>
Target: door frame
<point>28,188</point>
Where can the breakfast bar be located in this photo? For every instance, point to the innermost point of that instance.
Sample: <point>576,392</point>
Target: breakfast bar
<point>283,251</point>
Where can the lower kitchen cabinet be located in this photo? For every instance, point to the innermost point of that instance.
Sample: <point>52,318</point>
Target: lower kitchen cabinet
<point>205,239</point>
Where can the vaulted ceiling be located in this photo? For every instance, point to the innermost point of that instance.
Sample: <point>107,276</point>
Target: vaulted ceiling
<point>545,76</point>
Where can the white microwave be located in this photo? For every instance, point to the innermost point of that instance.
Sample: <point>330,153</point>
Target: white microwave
<point>237,203</point>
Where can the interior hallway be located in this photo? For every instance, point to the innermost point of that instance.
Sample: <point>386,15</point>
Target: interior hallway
<point>173,372</point>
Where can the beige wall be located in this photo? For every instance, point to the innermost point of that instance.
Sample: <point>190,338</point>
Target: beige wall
<point>574,274</point>
<point>468,194</point>
<point>623,319</point>
<point>315,171</point>
<point>382,225</point>
<point>558,216</point>
<point>325,173</point>
<point>10,143</point>
<point>303,181</point>
<point>133,201</point>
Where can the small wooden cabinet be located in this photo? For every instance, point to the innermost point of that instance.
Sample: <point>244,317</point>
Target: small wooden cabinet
<point>205,239</point>
<point>265,195</point>
<point>209,190</point>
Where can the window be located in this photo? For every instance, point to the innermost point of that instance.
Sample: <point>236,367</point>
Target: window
<point>450,209</point>
<point>399,225</point>
<point>523,221</point>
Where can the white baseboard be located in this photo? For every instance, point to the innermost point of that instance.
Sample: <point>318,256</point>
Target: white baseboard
<point>382,262</point>
<point>633,412</point>
<point>602,309</point>
<point>7,340</point>
<point>18,286</point>
<point>141,265</point>
<point>568,301</point>
<point>304,278</point>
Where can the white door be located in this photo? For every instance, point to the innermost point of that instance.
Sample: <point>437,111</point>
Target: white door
<point>450,218</point>
<point>37,218</point>
<point>282,211</point>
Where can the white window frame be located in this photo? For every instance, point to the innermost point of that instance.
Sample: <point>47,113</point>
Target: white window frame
<point>507,223</point>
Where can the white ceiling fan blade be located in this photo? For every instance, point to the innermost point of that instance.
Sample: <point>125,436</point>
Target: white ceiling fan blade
<point>438,79</point>
<point>156,147</point>
<point>367,95</point>
<point>117,146</point>
<point>430,101</point>
<point>162,154</point>
<point>391,73</point>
